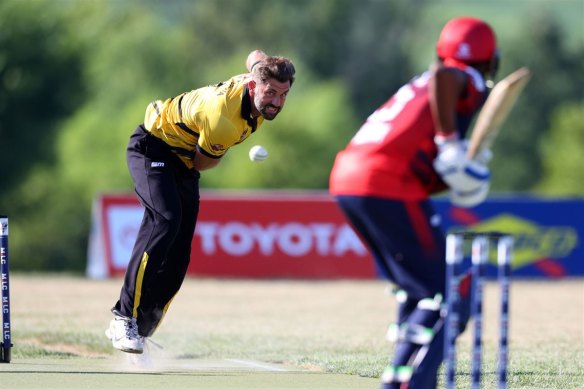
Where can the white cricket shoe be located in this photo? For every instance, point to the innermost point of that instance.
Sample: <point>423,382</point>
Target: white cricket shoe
<point>123,332</point>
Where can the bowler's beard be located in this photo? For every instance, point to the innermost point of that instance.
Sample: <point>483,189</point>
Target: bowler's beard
<point>269,115</point>
<point>267,111</point>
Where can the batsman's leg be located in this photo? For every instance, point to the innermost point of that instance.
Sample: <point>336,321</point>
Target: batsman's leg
<point>414,339</point>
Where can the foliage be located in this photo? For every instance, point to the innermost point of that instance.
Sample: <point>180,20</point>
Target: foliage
<point>75,77</point>
<point>562,151</point>
<point>548,40</point>
<point>557,80</point>
<point>328,326</point>
<point>40,85</point>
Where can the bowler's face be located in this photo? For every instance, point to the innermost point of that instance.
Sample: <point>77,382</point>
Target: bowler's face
<point>269,97</point>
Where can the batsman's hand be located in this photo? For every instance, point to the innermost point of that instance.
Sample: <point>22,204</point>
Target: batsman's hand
<point>443,142</point>
<point>469,199</point>
<point>450,145</point>
<point>484,156</point>
<point>456,170</point>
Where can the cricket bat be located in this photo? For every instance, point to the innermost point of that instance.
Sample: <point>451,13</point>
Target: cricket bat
<point>496,110</point>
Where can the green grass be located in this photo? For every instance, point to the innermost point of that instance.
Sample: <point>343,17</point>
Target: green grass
<point>331,327</point>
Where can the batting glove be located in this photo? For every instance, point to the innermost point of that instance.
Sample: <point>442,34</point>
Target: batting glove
<point>455,169</point>
<point>469,199</point>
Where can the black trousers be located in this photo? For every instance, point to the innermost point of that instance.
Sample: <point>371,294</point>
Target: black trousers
<point>169,192</point>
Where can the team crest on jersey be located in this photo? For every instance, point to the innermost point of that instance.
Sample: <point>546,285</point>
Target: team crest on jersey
<point>217,147</point>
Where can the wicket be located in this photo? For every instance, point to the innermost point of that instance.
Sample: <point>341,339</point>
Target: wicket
<point>5,341</point>
<point>479,258</point>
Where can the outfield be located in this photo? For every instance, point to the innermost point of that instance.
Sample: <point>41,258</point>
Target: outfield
<point>271,334</point>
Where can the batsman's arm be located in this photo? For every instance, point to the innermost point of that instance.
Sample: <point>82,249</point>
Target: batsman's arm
<point>445,87</point>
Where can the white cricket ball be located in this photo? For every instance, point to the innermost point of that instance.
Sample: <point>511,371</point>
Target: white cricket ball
<point>258,153</point>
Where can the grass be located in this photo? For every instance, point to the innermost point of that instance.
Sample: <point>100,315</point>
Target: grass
<point>333,327</point>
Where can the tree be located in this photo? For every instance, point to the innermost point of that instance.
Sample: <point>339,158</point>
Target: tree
<point>562,152</point>
<point>557,79</point>
<point>41,83</point>
<point>75,78</point>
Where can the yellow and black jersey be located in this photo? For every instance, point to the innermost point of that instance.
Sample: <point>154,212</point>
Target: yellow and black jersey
<point>207,120</point>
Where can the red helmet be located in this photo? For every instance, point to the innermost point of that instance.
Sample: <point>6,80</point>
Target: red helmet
<point>467,40</point>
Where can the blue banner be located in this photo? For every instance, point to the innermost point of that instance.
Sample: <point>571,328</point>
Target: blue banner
<point>547,233</point>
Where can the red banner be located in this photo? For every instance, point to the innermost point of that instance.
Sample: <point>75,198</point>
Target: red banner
<point>258,235</point>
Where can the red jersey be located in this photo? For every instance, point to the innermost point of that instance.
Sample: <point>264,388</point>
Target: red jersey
<point>391,155</point>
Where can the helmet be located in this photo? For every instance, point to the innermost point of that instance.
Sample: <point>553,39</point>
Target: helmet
<point>468,40</point>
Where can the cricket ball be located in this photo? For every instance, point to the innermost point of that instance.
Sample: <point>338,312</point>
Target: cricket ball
<point>258,153</point>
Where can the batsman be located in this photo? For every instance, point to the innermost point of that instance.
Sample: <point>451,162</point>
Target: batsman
<point>409,149</point>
